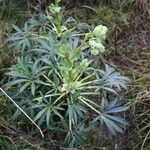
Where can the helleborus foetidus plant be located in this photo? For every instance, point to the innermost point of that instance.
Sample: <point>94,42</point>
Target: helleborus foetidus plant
<point>55,79</point>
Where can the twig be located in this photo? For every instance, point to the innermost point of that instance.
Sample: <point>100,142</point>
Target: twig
<point>21,110</point>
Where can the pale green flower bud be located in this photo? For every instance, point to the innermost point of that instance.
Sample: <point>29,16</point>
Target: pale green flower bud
<point>95,52</point>
<point>100,32</point>
<point>63,28</point>
<point>101,48</point>
<point>54,9</point>
<point>97,46</point>
<point>84,63</point>
<point>94,43</point>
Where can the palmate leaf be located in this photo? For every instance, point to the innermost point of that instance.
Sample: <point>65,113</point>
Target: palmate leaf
<point>113,106</point>
<point>25,75</point>
<point>70,21</point>
<point>113,126</point>
<point>113,123</point>
<point>117,119</point>
<point>108,110</point>
<point>39,23</point>
<point>46,112</point>
<point>76,111</point>
<point>109,78</point>
<point>22,38</point>
<point>46,46</point>
<point>77,136</point>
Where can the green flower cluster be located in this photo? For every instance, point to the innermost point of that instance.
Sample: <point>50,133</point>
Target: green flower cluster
<point>100,32</point>
<point>96,42</point>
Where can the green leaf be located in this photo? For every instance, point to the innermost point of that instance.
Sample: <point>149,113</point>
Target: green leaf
<point>48,116</point>
<point>39,115</point>
<point>23,87</point>
<point>113,127</point>
<point>33,88</point>
<point>117,119</point>
<point>17,81</point>
<point>62,50</point>
<point>57,113</point>
<point>75,53</point>
<point>117,109</point>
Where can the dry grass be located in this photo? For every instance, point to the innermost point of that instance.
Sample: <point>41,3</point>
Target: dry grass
<point>132,56</point>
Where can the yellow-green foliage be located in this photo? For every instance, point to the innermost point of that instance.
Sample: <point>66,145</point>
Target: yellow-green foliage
<point>6,26</point>
<point>108,16</point>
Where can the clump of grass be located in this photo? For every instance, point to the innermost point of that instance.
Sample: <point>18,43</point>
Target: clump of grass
<point>6,26</point>
<point>109,16</point>
<point>7,57</point>
<point>132,55</point>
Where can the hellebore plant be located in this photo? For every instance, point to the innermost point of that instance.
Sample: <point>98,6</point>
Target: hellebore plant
<point>55,79</point>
